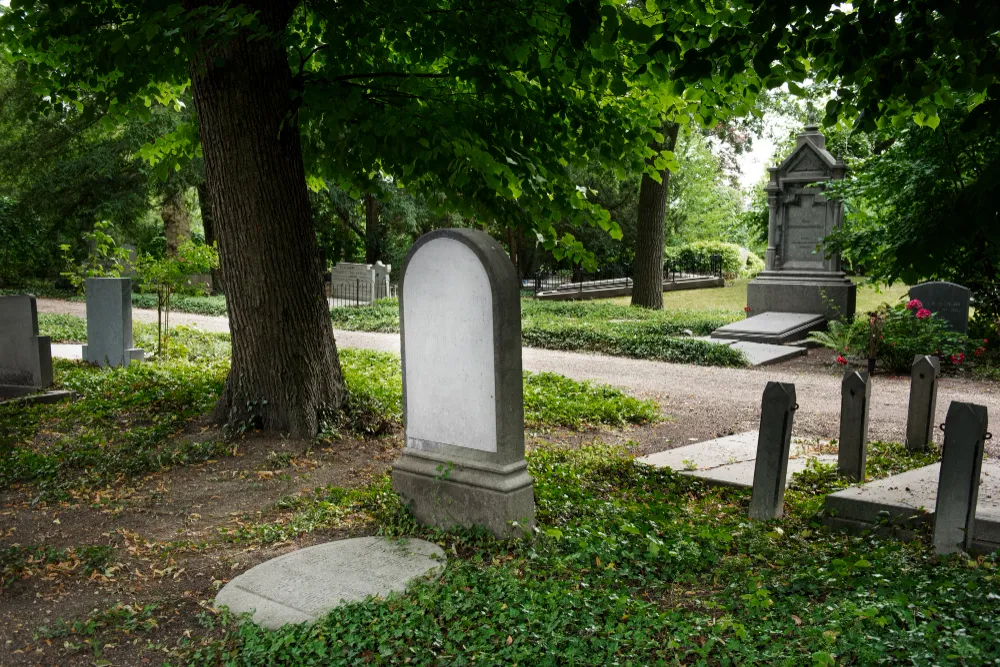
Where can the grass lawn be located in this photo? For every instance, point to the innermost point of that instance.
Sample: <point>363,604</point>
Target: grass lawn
<point>733,297</point>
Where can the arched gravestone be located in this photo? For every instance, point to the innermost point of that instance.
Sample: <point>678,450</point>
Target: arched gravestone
<point>946,300</point>
<point>799,276</point>
<point>463,402</point>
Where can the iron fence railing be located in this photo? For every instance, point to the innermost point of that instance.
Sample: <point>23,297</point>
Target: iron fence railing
<point>619,276</point>
<point>360,293</point>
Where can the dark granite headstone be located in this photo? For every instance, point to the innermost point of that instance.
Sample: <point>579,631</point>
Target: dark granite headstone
<point>25,357</point>
<point>948,301</point>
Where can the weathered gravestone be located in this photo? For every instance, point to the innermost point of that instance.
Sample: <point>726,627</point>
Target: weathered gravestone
<point>25,357</point>
<point>109,323</point>
<point>948,301</point>
<point>800,275</point>
<point>774,442</point>
<point>958,482</point>
<point>303,586</point>
<point>460,317</point>
<point>923,402</point>
<point>855,397</point>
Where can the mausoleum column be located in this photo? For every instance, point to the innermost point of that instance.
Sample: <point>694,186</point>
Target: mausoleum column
<point>772,189</point>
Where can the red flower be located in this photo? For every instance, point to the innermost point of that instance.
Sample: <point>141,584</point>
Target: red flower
<point>923,313</point>
<point>979,351</point>
<point>746,309</point>
<point>841,360</point>
<point>914,304</point>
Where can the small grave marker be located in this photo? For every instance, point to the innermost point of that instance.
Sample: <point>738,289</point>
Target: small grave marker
<point>773,445</point>
<point>947,300</point>
<point>25,357</point>
<point>109,323</point>
<point>923,402</point>
<point>460,318</point>
<point>958,483</point>
<point>855,397</point>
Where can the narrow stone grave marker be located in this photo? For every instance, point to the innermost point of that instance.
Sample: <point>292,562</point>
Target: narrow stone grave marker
<point>109,323</point>
<point>855,396</point>
<point>923,402</point>
<point>25,357</point>
<point>773,444</point>
<point>460,318</point>
<point>958,482</point>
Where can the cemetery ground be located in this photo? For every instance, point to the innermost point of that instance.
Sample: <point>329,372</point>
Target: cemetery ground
<point>126,511</point>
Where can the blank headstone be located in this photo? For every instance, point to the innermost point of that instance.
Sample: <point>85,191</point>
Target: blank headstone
<point>855,397</point>
<point>460,319</point>
<point>773,445</point>
<point>923,402</point>
<point>109,323</point>
<point>25,357</point>
<point>958,483</point>
<point>946,300</point>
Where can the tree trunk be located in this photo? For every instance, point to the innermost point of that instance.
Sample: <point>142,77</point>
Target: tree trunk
<point>647,278</point>
<point>285,370</point>
<point>373,230</point>
<point>176,221</point>
<point>218,286</point>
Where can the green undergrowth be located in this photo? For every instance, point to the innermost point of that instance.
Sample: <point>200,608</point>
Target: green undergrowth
<point>592,326</point>
<point>634,565</point>
<point>125,423</point>
<point>181,303</point>
<point>130,421</point>
<point>375,403</point>
<point>19,562</point>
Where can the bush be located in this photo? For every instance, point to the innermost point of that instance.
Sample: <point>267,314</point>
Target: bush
<point>908,330</point>
<point>198,305</point>
<point>697,256</point>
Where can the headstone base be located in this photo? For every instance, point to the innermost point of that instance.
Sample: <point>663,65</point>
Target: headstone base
<point>832,295</point>
<point>131,354</point>
<point>446,493</point>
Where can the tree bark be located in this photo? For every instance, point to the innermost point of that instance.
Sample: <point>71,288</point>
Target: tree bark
<point>373,230</point>
<point>176,221</point>
<point>285,370</point>
<point>647,278</point>
<point>218,285</point>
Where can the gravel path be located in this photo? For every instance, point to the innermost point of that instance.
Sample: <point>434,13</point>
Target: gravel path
<point>709,401</point>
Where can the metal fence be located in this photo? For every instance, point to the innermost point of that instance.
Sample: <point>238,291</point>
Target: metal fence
<point>361,293</point>
<point>619,276</point>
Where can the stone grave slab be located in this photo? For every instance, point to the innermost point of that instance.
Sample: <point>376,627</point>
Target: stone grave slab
<point>729,461</point>
<point>303,586</point>
<point>763,354</point>
<point>907,500</point>
<point>776,328</point>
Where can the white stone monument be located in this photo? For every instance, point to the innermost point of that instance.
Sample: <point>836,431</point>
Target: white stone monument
<point>364,283</point>
<point>460,317</point>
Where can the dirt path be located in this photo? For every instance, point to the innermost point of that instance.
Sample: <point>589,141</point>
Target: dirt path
<point>705,401</point>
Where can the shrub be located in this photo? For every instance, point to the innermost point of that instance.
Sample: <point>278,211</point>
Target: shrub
<point>697,256</point>
<point>907,330</point>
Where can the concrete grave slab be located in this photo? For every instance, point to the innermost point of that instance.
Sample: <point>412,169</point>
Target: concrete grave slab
<point>907,500</point>
<point>776,328</point>
<point>729,461</point>
<point>305,585</point>
<point>763,354</point>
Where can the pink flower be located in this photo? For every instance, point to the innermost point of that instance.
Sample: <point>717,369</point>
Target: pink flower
<point>923,313</point>
<point>914,304</point>
<point>841,360</point>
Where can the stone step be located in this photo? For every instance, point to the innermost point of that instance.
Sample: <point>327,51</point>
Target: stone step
<point>759,354</point>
